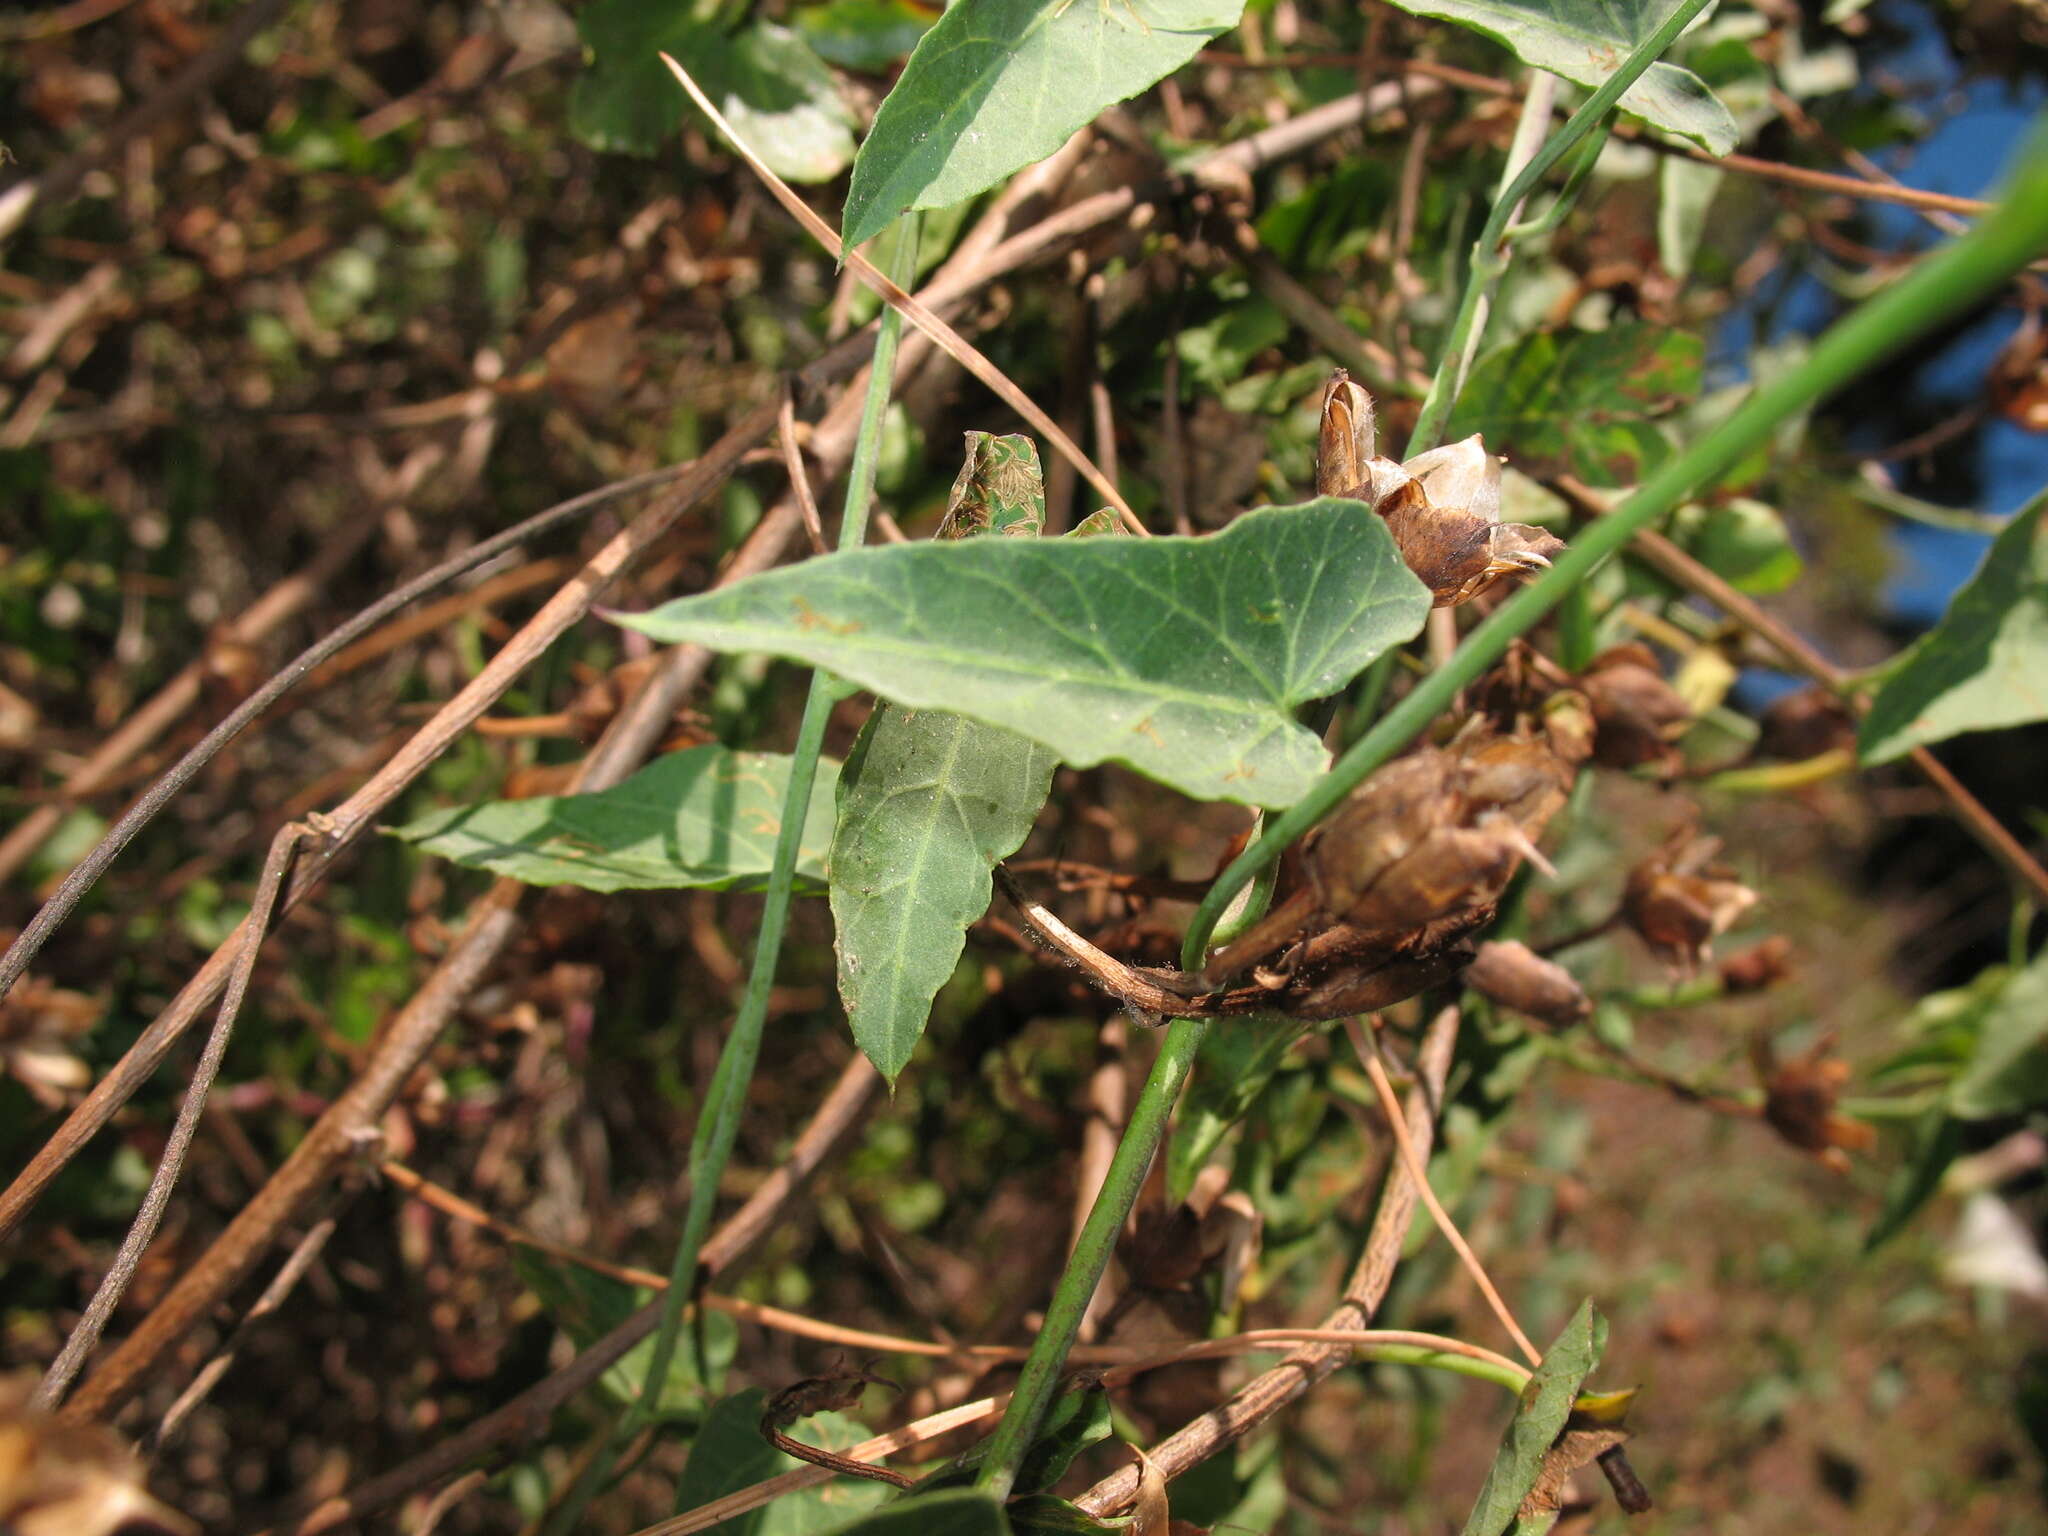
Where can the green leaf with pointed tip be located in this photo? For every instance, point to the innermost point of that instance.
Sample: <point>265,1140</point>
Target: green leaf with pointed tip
<point>1185,658</point>
<point>1585,402</point>
<point>1985,665</point>
<point>1546,1404</point>
<point>928,802</point>
<point>998,84</point>
<point>952,1512</point>
<point>1586,41</point>
<point>703,818</point>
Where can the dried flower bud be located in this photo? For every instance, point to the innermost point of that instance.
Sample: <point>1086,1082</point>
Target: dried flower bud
<point>1638,714</point>
<point>1804,724</point>
<point>1450,869</point>
<point>1344,452</point>
<point>1515,976</point>
<point>1678,904</point>
<point>1443,509</point>
<point>1764,964</point>
<point>1799,1103</point>
<point>1519,775</point>
<point>1570,727</point>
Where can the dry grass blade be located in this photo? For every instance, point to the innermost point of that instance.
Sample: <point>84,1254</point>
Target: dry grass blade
<point>1368,1052</point>
<point>948,340</point>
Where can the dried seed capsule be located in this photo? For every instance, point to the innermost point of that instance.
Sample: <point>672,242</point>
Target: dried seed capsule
<point>1443,509</point>
<point>1638,715</point>
<point>1516,977</point>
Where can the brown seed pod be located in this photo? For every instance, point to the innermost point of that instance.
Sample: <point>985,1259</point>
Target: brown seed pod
<point>1637,714</point>
<point>1516,977</point>
<point>1764,964</point>
<point>1804,724</point>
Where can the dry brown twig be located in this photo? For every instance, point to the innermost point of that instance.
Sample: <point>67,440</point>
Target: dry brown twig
<point>1265,1395</point>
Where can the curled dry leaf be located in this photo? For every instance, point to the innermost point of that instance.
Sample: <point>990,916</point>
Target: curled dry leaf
<point>1442,507</point>
<point>1679,902</point>
<point>60,1479</point>
<point>1516,977</point>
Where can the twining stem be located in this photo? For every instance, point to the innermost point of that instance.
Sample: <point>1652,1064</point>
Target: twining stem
<point>1489,257</point>
<point>1127,1168</point>
<point>719,1119</point>
<point>1944,285</point>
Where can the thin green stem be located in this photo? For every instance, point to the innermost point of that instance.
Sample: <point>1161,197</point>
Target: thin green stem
<point>1946,284</point>
<point>724,1100</point>
<point>1092,1250</point>
<point>1488,260</point>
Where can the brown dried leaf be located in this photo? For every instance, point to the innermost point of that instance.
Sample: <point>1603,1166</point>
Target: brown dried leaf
<point>71,1479</point>
<point>1149,1513</point>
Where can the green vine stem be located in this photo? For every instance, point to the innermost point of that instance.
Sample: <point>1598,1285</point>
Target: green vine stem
<point>1134,1152</point>
<point>719,1119</point>
<point>1489,255</point>
<point>1944,285</point>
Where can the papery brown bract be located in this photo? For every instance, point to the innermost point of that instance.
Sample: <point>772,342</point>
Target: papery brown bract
<point>1763,964</point>
<point>1344,448</point>
<point>1799,1102</point>
<point>1678,902</point>
<point>62,1479</point>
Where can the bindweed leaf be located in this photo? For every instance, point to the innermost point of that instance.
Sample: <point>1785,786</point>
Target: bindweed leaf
<point>1584,40</point>
<point>1184,658</point>
<point>1586,402</point>
<point>999,84</point>
<point>1546,1405</point>
<point>705,818</point>
<point>1985,665</point>
<point>928,802</point>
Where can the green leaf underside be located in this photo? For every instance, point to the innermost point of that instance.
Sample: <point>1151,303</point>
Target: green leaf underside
<point>704,818</point>
<point>729,1453</point>
<point>777,92</point>
<point>1582,402</point>
<point>1985,665</point>
<point>928,801</point>
<point>953,1512</point>
<point>998,84</point>
<point>1184,658</point>
<point>1546,1404</point>
<point>1586,41</point>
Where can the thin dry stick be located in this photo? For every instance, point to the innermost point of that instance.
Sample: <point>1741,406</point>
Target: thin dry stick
<point>307,665</point>
<point>333,1137</point>
<point>64,178</point>
<point>1265,1395</point>
<point>50,1391</point>
<point>1369,1053</point>
<point>564,609</point>
<point>170,702</point>
<point>1748,165</point>
<point>705,1516</point>
<point>948,340</point>
<point>1680,567</point>
<point>527,1414</point>
<point>281,1286</point>
<point>799,479</point>
<point>781,1320</point>
<point>446,1500</point>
